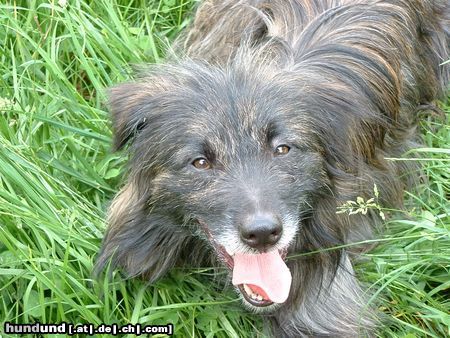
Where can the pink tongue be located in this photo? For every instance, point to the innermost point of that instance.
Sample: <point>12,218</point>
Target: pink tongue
<point>267,271</point>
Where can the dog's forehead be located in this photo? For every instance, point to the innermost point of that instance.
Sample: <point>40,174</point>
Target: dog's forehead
<point>228,110</point>
<point>240,120</point>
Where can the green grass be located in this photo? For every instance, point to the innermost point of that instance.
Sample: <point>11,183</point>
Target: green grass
<point>57,174</point>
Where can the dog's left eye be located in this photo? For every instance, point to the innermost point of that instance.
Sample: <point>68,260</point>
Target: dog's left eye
<point>282,150</point>
<point>201,163</point>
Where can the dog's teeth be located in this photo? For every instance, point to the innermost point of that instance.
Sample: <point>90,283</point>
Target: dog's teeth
<point>252,294</point>
<point>248,290</point>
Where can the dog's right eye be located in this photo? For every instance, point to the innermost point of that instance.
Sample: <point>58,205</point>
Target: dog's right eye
<point>282,150</point>
<point>201,163</point>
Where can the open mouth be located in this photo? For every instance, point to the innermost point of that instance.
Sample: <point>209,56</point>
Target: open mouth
<point>263,279</point>
<point>254,295</point>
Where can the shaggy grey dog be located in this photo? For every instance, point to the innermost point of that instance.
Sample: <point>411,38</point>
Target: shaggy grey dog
<point>277,113</point>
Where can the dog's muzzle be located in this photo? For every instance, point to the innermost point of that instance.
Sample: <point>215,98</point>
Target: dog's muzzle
<point>262,278</point>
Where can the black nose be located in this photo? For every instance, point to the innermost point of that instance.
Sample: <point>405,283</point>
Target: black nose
<point>261,232</point>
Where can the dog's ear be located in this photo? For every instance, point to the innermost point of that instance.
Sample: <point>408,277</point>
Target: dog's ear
<point>129,105</point>
<point>141,243</point>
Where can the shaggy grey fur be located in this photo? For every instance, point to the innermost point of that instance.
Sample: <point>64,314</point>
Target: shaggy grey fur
<point>340,83</point>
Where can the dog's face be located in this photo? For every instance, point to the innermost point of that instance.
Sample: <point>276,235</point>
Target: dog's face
<point>229,160</point>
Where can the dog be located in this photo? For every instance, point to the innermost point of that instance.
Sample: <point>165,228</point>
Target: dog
<point>243,147</point>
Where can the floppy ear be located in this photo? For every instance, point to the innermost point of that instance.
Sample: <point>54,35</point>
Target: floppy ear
<point>139,242</point>
<point>128,104</point>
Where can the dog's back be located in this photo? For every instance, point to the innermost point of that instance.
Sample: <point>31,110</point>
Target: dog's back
<point>402,32</point>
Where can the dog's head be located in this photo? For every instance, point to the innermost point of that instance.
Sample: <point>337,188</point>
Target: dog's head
<point>237,160</point>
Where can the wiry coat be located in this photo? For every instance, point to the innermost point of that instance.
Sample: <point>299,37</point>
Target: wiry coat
<point>342,82</point>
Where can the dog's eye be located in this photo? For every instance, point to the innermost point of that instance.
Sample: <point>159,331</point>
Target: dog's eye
<point>282,149</point>
<point>201,163</point>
